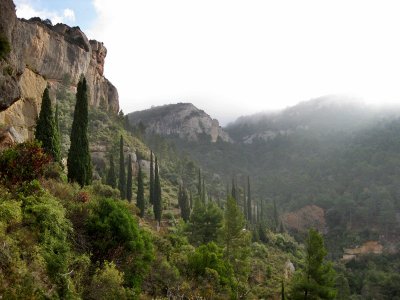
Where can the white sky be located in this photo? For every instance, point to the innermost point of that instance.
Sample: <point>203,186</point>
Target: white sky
<point>236,57</point>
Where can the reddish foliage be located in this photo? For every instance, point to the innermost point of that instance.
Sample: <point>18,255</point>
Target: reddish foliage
<point>23,162</point>
<point>82,197</point>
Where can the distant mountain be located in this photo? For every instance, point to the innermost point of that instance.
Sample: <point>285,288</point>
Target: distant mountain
<point>317,116</point>
<point>183,120</point>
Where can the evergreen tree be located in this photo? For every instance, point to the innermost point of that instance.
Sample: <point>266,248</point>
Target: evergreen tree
<point>151,192</point>
<point>203,192</point>
<point>185,206</point>
<point>249,206</point>
<point>58,134</point>
<point>283,291</point>
<point>157,205</point>
<point>46,130</point>
<point>199,185</point>
<point>234,194</point>
<point>111,178</point>
<point>79,162</point>
<point>191,200</point>
<point>140,192</point>
<point>276,217</point>
<point>236,240</point>
<point>122,179</point>
<point>129,180</point>
<point>245,204</point>
<point>317,279</point>
<point>205,223</point>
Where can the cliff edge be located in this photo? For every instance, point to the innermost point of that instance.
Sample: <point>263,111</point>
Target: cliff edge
<point>42,54</point>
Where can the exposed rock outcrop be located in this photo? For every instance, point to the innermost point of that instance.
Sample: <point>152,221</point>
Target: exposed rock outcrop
<point>370,247</point>
<point>44,54</point>
<point>183,120</point>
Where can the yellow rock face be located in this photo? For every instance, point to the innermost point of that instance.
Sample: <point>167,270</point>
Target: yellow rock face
<point>23,113</point>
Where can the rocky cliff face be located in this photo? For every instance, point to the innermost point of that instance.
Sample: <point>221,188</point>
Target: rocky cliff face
<point>42,54</point>
<point>182,119</point>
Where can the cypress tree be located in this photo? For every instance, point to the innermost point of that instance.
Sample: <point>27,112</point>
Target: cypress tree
<point>190,200</point>
<point>276,217</point>
<point>79,162</point>
<point>234,195</point>
<point>58,134</point>
<point>122,180</point>
<point>199,185</point>
<point>140,192</point>
<point>157,205</point>
<point>203,192</point>
<point>249,206</point>
<point>46,131</point>
<point>185,208</point>
<point>151,178</point>
<point>129,180</point>
<point>283,291</point>
<point>246,215</point>
<point>111,178</point>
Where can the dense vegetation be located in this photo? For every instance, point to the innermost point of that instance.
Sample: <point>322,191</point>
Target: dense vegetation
<point>342,158</point>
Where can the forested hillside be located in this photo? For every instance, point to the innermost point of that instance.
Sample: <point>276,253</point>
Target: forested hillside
<point>333,163</point>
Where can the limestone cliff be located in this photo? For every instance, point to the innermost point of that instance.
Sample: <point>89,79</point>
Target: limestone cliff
<point>42,54</point>
<point>183,120</point>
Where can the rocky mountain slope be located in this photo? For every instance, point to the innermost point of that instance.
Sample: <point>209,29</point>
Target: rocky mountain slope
<point>42,54</point>
<point>183,120</point>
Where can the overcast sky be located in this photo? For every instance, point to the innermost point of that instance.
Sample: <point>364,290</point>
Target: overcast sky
<point>237,57</point>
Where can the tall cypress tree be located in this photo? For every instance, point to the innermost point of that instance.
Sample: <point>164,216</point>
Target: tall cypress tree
<point>157,205</point>
<point>79,162</point>
<point>122,179</point>
<point>234,194</point>
<point>203,192</point>
<point>111,178</point>
<point>199,185</point>
<point>151,179</point>
<point>129,180</point>
<point>276,217</point>
<point>58,134</point>
<point>185,208</point>
<point>140,192</point>
<point>249,206</point>
<point>46,131</point>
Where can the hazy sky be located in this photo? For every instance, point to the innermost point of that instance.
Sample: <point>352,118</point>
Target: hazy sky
<point>236,57</point>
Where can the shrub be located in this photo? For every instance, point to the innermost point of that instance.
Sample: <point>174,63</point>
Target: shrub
<point>115,234</point>
<point>107,283</point>
<point>23,162</point>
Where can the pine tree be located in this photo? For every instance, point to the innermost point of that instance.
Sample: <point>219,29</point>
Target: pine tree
<point>157,205</point>
<point>122,180</point>
<point>79,162</point>
<point>140,192</point>
<point>129,180</point>
<point>46,130</point>
<point>317,279</point>
<point>151,200</point>
<point>111,178</point>
<point>249,206</point>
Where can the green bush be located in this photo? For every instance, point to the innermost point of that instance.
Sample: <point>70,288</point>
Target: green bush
<point>210,257</point>
<point>115,234</point>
